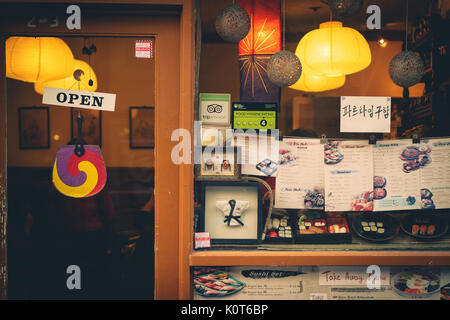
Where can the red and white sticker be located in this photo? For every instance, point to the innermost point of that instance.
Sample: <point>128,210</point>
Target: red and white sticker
<point>202,240</point>
<point>143,49</point>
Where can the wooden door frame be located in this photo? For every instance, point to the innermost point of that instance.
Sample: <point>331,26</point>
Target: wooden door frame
<point>174,109</point>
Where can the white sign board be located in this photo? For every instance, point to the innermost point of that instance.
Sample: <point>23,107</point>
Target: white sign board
<point>365,114</point>
<point>352,276</point>
<point>79,99</point>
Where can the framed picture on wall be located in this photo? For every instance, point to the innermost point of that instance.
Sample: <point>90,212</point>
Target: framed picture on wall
<point>34,128</point>
<point>142,127</point>
<point>91,131</point>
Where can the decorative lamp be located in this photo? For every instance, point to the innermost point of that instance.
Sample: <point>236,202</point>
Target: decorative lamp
<point>406,69</point>
<point>334,50</point>
<point>310,82</point>
<point>82,78</point>
<point>38,59</point>
<point>255,50</point>
<point>345,8</point>
<point>233,23</point>
<point>284,68</point>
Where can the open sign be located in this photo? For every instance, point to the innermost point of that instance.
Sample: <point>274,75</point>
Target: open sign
<point>79,99</point>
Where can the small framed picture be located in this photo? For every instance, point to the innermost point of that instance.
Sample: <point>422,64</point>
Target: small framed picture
<point>91,131</point>
<point>217,163</point>
<point>215,108</point>
<point>34,128</point>
<point>142,127</point>
<point>231,212</point>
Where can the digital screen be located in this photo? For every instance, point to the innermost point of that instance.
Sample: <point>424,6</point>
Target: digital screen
<point>253,115</point>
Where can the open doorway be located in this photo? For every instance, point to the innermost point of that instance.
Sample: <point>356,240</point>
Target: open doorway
<point>111,235</point>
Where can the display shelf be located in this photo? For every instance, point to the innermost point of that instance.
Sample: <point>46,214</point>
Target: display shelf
<point>318,258</point>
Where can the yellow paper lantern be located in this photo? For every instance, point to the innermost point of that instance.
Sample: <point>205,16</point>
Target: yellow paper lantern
<point>333,50</point>
<point>38,59</point>
<point>82,78</point>
<point>311,82</point>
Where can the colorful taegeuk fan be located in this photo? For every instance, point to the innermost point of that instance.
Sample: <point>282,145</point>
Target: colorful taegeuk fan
<point>79,170</point>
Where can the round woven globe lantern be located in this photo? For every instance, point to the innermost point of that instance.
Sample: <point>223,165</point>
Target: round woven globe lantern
<point>233,23</point>
<point>345,8</point>
<point>284,68</point>
<point>406,69</point>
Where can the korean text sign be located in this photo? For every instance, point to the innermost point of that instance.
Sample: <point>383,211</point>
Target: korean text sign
<point>365,114</point>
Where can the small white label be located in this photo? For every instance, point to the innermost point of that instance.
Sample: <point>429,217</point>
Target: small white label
<point>318,296</point>
<point>202,240</point>
<point>79,99</point>
<point>365,114</point>
<point>144,49</point>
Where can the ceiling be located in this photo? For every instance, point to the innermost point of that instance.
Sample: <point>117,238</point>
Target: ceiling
<point>300,17</point>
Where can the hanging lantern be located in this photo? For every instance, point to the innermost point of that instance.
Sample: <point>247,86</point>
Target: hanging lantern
<point>284,68</point>
<point>316,83</point>
<point>406,69</point>
<point>255,50</point>
<point>232,23</point>
<point>334,50</point>
<point>345,8</point>
<point>82,78</point>
<point>38,59</point>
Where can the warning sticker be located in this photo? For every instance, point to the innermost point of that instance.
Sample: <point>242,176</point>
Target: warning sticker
<point>144,49</point>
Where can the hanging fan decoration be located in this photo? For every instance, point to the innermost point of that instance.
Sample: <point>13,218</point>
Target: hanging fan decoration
<point>345,8</point>
<point>233,23</point>
<point>38,59</point>
<point>284,67</point>
<point>406,68</point>
<point>83,78</point>
<point>255,50</point>
<point>79,170</point>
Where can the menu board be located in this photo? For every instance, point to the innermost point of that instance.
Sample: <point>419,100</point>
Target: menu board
<point>396,183</point>
<point>435,174</point>
<point>299,183</point>
<point>348,176</point>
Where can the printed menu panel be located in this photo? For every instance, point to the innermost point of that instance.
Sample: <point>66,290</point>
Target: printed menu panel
<point>348,176</point>
<point>396,182</point>
<point>299,183</point>
<point>435,174</point>
<point>259,153</point>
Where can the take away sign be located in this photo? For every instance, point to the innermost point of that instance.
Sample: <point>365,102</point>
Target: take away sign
<point>79,99</point>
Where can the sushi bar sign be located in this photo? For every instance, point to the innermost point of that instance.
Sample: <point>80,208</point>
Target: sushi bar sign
<point>79,99</point>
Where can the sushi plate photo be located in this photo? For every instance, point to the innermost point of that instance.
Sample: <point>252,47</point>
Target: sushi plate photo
<point>216,284</point>
<point>425,226</point>
<point>416,284</point>
<point>375,227</point>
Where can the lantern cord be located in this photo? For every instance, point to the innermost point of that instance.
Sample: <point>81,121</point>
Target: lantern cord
<point>406,27</point>
<point>284,24</point>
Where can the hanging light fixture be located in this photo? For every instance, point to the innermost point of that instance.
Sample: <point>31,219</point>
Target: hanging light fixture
<point>38,59</point>
<point>232,23</point>
<point>284,67</point>
<point>406,68</point>
<point>262,41</point>
<point>345,8</point>
<point>334,50</point>
<point>310,82</point>
<point>82,78</point>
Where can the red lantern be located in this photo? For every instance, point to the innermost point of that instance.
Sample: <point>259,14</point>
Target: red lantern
<point>255,50</point>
